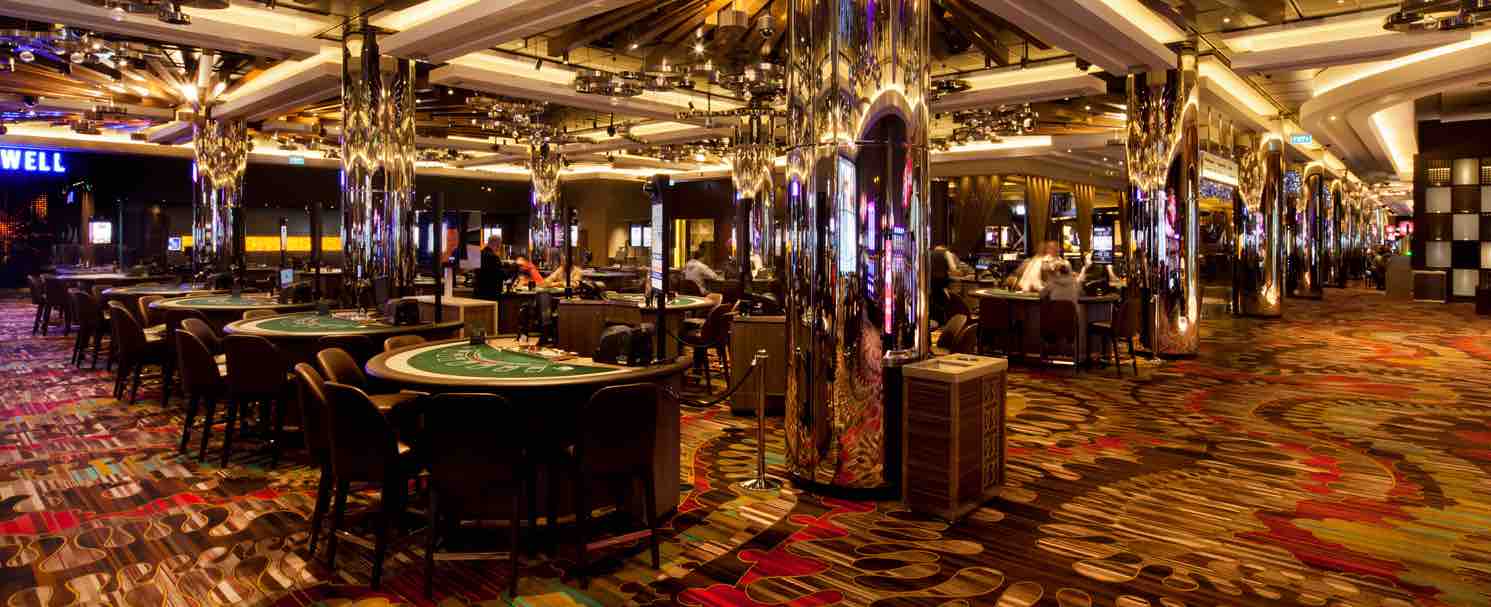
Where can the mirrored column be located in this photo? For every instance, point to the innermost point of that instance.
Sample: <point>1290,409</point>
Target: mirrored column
<point>220,152</point>
<point>1163,150</point>
<point>545,241</point>
<point>379,257</point>
<point>857,234</point>
<point>1258,271</point>
<point>1306,259</point>
<point>750,173</point>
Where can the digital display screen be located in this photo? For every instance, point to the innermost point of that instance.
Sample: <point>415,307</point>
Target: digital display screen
<point>287,276</point>
<point>1102,244</point>
<point>993,237</point>
<point>1062,205</point>
<point>100,232</point>
<point>656,274</point>
<point>173,244</point>
<point>848,228</point>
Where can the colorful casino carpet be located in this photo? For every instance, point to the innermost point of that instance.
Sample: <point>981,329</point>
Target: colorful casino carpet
<point>1340,457</point>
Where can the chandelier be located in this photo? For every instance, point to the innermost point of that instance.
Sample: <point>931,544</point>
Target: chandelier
<point>991,125</point>
<point>1438,15</point>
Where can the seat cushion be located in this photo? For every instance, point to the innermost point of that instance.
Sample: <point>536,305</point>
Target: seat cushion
<point>386,402</point>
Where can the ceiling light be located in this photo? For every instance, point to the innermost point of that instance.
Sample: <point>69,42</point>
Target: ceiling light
<point>1226,19</point>
<point>1333,117</point>
<point>26,56</point>
<point>698,48</point>
<point>1087,107</point>
<point>189,91</point>
<point>117,13</point>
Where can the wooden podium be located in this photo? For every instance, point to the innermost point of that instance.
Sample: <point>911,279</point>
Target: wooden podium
<point>953,433</point>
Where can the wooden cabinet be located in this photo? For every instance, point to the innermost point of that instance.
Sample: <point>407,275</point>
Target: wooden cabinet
<point>479,312</point>
<point>953,433</point>
<point>747,335</point>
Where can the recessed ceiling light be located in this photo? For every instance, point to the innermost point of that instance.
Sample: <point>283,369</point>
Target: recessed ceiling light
<point>1226,19</point>
<point>1333,117</point>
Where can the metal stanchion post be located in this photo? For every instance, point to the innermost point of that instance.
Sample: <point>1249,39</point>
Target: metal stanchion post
<point>760,483</point>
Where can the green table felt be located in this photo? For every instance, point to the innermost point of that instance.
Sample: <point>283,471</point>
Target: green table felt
<point>225,301</point>
<point>314,323</point>
<point>676,302</point>
<point>484,361</point>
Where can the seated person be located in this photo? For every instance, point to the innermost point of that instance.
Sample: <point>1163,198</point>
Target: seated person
<point>696,271</point>
<point>556,278</point>
<point>527,270</point>
<point>1062,285</point>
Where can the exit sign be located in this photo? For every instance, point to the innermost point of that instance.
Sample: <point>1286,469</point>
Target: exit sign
<point>1301,139</point>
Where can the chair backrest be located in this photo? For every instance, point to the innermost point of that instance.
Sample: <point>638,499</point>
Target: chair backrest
<point>339,366</point>
<point>56,290</point>
<point>87,309</point>
<point>360,347</point>
<point>951,331</point>
<point>401,341</point>
<point>254,364</point>
<point>252,314</point>
<point>148,316</point>
<point>1126,324</point>
<point>474,445</point>
<point>716,325</point>
<point>203,332</point>
<point>128,335</point>
<point>956,305</point>
<point>617,429</point>
<point>717,298</point>
<point>199,375</point>
<point>967,341</point>
<point>313,411</point>
<point>363,445</point>
<point>175,316</point>
<point>994,313</point>
<point>1059,318</point>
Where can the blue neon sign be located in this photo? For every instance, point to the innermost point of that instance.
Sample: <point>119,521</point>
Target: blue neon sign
<point>31,161</point>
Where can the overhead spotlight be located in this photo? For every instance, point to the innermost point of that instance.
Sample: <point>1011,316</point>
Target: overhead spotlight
<point>26,56</point>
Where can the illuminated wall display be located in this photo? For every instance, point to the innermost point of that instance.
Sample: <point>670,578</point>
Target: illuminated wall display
<point>100,232</point>
<point>31,161</point>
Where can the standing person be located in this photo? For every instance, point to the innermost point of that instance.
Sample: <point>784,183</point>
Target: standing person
<point>696,271</point>
<point>1062,285</point>
<point>489,277</point>
<point>556,278</point>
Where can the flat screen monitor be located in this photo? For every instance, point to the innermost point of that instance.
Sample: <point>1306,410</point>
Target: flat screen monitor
<point>1062,205</point>
<point>1102,244</point>
<point>984,262</point>
<point>993,237</point>
<point>173,244</point>
<point>100,232</point>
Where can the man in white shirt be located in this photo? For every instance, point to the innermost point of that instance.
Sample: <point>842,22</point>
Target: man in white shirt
<point>555,280</point>
<point>697,272</point>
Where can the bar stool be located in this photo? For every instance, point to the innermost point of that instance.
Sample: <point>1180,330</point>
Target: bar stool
<point>478,463</point>
<point>364,449</point>
<point>998,326</point>
<point>91,325</point>
<point>401,341</point>
<point>951,332</point>
<point>38,299</point>
<point>714,333</point>
<point>56,290</point>
<point>1123,327</point>
<point>361,347</point>
<point>315,425</point>
<point>1059,326</point>
<point>256,374</point>
<point>614,442</point>
<point>338,366</point>
<point>174,318</point>
<point>203,380</point>
<point>134,349</point>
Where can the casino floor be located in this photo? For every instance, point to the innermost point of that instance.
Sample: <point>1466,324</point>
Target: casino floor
<point>1341,456</point>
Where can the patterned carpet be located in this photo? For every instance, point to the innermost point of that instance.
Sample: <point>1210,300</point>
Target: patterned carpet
<point>1340,457</point>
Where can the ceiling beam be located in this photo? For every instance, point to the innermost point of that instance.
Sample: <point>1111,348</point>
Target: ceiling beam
<point>285,88</point>
<point>489,23</point>
<point>1327,42</point>
<point>1120,36</point>
<point>1007,86</point>
<point>513,85</point>
<point>204,32</point>
<point>600,26</point>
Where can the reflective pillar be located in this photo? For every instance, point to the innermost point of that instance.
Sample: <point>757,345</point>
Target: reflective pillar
<point>377,169</point>
<point>1163,150</point>
<point>1306,260</point>
<point>1258,270</point>
<point>220,151</point>
<point>857,233</point>
<point>545,242</point>
<point>750,173</point>
<point>1335,250</point>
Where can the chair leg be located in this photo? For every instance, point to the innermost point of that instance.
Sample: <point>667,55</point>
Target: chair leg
<point>649,508</point>
<point>167,372</point>
<point>1132,357</point>
<point>277,442</point>
<point>338,514</point>
<point>36,319</point>
<point>1112,342</point>
<point>192,403</point>
<point>391,510</point>
<point>431,541</point>
<point>46,318</point>
<point>514,549</point>
<point>134,391</point>
<point>582,519</point>
<point>121,379</point>
<point>207,427</point>
<point>234,404</point>
<point>323,499</point>
<point>98,340</point>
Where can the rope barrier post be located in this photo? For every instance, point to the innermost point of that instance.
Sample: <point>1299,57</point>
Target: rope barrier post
<point>760,483</point>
